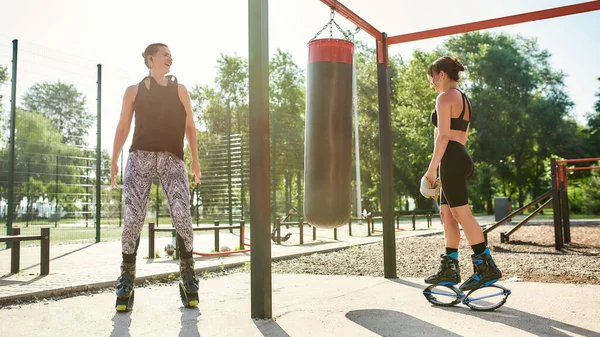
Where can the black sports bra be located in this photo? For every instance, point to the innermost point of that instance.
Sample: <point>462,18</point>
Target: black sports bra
<point>458,123</point>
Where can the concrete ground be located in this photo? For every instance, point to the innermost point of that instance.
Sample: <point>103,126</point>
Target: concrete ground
<point>302,305</point>
<point>311,305</point>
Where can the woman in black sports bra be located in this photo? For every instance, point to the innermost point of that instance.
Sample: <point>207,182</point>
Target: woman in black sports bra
<point>451,118</point>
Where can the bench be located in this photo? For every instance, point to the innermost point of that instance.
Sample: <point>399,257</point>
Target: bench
<point>15,250</point>
<point>152,230</point>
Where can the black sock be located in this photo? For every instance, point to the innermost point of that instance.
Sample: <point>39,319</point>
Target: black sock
<point>479,248</point>
<point>451,250</point>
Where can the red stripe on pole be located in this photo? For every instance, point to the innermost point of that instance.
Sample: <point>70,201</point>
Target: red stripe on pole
<point>330,50</point>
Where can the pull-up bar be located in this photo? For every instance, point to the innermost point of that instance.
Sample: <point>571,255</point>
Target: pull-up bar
<point>463,28</point>
<point>499,22</point>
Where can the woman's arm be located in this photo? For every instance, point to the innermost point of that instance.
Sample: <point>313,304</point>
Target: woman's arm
<point>443,108</point>
<point>122,131</point>
<point>190,130</point>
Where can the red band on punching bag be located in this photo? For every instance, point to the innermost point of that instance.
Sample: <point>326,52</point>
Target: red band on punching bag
<point>330,50</point>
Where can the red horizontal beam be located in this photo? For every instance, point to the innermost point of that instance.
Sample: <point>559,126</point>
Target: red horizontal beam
<point>352,17</point>
<point>581,160</point>
<point>499,22</point>
<point>583,168</point>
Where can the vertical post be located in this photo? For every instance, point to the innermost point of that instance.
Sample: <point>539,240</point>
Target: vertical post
<point>98,153</point>
<point>217,237</point>
<point>11,148</point>
<point>350,226</point>
<point>356,139</point>
<point>385,146</point>
<point>564,211</point>
<point>45,251</point>
<point>151,240</point>
<point>28,199</point>
<point>229,196</point>
<point>278,224</point>
<point>299,202</point>
<point>335,234</point>
<point>558,238</point>
<point>87,190</point>
<point>260,208</point>
<point>56,217</point>
<point>15,253</point>
<point>301,223</point>
<point>314,233</point>
<point>157,204</point>
<point>242,233</point>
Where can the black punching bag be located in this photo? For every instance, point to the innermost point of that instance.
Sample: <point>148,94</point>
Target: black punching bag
<point>328,133</point>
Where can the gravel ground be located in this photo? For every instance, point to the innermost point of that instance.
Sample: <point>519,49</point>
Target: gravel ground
<point>530,256</point>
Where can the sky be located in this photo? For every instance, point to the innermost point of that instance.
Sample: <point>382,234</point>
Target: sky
<point>66,39</point>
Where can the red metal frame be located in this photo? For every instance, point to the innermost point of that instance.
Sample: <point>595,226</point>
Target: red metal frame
<point>580,160</point>
<point>498,22</point>
<point>463,28</point>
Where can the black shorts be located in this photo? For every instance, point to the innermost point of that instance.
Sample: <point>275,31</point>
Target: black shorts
<point>455,170</point>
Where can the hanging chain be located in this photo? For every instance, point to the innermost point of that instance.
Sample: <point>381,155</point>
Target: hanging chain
<point>330,25</point>
<point>331,15</point>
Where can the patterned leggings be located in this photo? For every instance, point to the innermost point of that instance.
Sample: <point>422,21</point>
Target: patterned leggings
<point>141,168</point>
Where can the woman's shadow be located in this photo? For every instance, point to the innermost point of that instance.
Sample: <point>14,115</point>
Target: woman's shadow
<point>189,322</point>
<point>121,324</point>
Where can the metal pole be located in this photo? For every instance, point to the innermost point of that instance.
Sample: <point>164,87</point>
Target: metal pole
<point>98,152</point>
<point>558,238</point>
<point>260,208</point>
<point>385,145</point>
<point>56,217</point>
<point>356,139</point>
<point>229,197</point>
<point>28,200</point>
<point>11,147</point>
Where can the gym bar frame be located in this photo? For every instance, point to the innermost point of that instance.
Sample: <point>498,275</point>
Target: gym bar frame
<point>261,295</point>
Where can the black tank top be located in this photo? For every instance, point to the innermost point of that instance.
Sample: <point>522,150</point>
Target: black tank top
<point>459,123</point>
<point>159,118</point>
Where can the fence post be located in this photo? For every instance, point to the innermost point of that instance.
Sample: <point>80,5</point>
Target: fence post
<point>301,221</point>
<point>11,148</point>
<point>278,224</point>
<point>242,233</point>
<point>98,153</point>
<point>558,238</point>
<point>15,253</point>
<point>150,240</point>
<point>350,227</point>
<point>45,251</point>
<point>216,237</point>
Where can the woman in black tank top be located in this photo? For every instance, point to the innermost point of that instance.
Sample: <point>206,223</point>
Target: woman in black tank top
<point>163,117</point>
<point>455,167</point>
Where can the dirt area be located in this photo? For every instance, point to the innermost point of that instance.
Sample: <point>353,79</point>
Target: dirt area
<point>530,256</point>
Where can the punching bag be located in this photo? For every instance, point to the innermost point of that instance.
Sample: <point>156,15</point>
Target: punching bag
<point>328,133</point>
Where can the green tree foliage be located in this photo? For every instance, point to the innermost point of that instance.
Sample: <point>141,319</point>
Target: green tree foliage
<point>64,105</point>
<point>287,105</point>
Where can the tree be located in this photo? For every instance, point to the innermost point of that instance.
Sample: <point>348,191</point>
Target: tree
<point>4,118</point>
<point>593,129</point>
<point>64,105</point>
<point>287,101</point>
<point>411,125</point>
<point>3,79</point>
